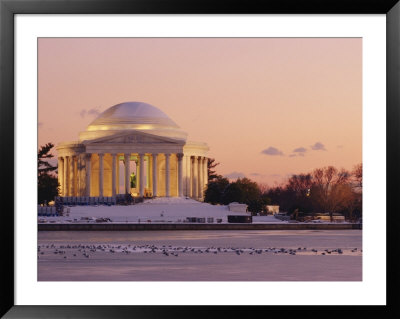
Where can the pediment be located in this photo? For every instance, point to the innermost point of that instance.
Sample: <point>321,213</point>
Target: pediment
<point>134,138</point>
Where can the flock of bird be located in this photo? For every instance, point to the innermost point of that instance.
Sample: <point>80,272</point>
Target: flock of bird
<point>168,250</point>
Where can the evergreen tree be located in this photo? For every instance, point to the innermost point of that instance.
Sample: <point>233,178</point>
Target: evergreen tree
<point>233,193</point>
<point>45,167</point>
<point>48,186</point>
<point>215,189</point>
<point>245,191</point>
<point>211,164</point>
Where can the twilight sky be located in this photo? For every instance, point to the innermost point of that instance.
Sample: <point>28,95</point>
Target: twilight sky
<point>267,107</point>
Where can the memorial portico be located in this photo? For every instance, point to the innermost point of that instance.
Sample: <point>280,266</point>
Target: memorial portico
<point>133,148</point>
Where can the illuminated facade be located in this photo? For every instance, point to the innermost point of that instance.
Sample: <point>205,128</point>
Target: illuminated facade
<point>132,148</point>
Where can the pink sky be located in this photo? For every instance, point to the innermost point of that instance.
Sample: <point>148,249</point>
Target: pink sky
<point>241,96</point>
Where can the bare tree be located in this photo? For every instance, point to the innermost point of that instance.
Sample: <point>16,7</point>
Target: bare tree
<point>263,187</point>
<point>300,184</point>
<point>331,189</point>
<point>358,175</point>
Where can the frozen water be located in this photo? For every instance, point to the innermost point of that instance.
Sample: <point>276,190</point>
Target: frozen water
<point>303,255</point>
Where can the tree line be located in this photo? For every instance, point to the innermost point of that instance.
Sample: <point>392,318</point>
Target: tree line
<point>324,190</point>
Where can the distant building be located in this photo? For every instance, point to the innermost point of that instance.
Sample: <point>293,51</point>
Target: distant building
<point>326,217</point>
<point>272,209</point>
<point>236,207</point>
<point>133,136</point>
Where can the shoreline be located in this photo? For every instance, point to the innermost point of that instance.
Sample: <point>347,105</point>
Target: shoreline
<point>192,226</point>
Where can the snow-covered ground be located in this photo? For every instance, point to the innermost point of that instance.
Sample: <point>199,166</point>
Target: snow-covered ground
<point>157,210</point>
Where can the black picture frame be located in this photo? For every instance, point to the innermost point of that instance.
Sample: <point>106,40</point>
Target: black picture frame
<point>8,9</point>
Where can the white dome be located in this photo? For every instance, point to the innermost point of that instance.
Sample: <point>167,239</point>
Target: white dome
<point>136,116</point>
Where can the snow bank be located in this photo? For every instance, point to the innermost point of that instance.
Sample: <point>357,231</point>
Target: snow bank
<point>157,210</point>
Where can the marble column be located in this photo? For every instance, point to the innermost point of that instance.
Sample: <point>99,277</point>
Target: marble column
<point>101,174</point>
<point>60,174</point>
<point>155,174</point>
<point>88,173</point>
<point>189,176</point>
<point>127,158</point>
<point>114,175</point>
<point>79,171</point>
<point>200,177</point>
<point>141,175</point>
<point>205,172</point>
<point>71,176</point>
<point>117,189</point>
<point>195,177</point>
<point>205,177</point>
<point>66,192</point>
<point>180,174</point>
<point>167,175</point>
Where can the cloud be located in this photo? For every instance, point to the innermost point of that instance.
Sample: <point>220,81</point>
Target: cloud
<point>300,150</point>
<point>95,112</point>
<point>255,174</point>
<point>318,147</point>
<point>92,112</point>
<point>234,175</point>
<point>272,151</point>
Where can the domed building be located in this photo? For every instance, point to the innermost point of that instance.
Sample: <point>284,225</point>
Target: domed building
<point>132,148</point>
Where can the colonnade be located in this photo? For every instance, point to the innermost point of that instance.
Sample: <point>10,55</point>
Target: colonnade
<point>75,174</point>
<point>197,176</point>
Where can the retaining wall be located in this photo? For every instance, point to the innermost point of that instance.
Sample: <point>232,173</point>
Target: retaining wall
<point>188,226</point>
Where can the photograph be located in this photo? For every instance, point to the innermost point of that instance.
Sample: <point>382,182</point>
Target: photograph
<point>172,159</point>
<point>199,159</point>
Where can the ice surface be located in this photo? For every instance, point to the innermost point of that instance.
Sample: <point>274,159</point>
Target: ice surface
<point>139,256</point>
